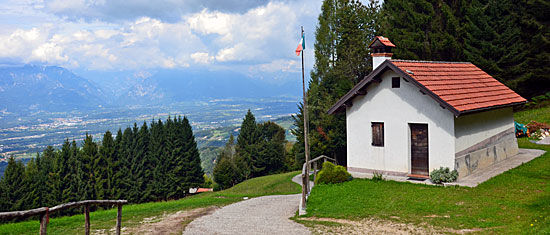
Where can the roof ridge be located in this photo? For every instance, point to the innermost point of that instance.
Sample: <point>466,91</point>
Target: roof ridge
<point>427,61</point>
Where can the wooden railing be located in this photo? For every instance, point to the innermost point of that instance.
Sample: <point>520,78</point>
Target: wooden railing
<point>306,189</point>
<point>44,213</point>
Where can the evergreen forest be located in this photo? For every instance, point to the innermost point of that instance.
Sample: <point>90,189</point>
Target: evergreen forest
<point>154,162</point>
<point>260,150</point>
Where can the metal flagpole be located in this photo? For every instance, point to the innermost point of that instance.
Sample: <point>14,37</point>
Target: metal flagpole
<point>305,188</point>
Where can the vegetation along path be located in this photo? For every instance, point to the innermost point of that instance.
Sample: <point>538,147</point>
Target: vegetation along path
<point>261,215</point>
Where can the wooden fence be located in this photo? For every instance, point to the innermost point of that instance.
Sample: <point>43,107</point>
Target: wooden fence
<point>44,213</point>
<point>306,187</point>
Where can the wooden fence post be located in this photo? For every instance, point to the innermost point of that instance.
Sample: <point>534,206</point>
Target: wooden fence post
<point>87,219</point>
<point>44,220</point>
<point>314,172</point>
<point>118,219</point>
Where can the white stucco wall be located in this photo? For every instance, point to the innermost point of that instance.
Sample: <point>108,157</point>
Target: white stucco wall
<point>473,128</point>
<point>377,60</point>
<point>397,107</point>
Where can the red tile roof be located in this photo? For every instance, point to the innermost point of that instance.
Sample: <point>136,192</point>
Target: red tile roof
<point>459,87</point>
<point>383,40</point>
<point>201,190</point>
<point>464,86</point>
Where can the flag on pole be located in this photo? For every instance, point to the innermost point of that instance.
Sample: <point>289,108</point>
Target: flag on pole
<point>301,46</point>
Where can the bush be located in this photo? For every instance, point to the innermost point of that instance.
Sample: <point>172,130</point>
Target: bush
<point>208,182</point>
<point>377,176</point>
<point>332,174</point>
<point>443,175</point>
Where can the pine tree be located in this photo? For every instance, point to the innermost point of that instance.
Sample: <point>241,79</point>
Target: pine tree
<point>173,149</point>
<point>86,159</point>
<point>103,167</point>
<point>13,183</point>
<point>341,60</point>
<point>194,174</point>
<point>47,178</point>
<point>148,163</point>
<point>62,169</point>
<point>225,173</point>
<point>271,148</point>
<point>72,179</point>
<point>135,161</point>
<point>121,183</point>
<point>246,149</point>
<point>32,179</point>
<point>158,157</point>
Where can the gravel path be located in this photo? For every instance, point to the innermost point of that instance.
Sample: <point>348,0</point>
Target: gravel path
<point>261,215</point>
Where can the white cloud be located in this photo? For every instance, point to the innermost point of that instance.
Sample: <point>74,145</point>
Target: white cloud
<point>201,57</point>
<point>280,66</point>
<point>211,22</point>
<point>21,42</point>
<point>227,54</point>
<point>49,52</point>
<point>258,37</point>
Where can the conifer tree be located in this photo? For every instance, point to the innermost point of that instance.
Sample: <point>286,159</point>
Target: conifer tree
<point>246,149</point>
<point>32,179</point>
<point>194,174</point>
<point>341,60</point>
<point>87,158</point>
<point>122,173</point>
<point>103,167</point>
<point>135,160</point>
<point>225,173</point>
<point>62,169</point>
<point>158,157</point>
<point>271,148</point>
<point>13,183</point>
<point>46,187</point>
<point>72,179</point>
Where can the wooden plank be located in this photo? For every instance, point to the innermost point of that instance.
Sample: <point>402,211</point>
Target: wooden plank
<point>44,212</point>
<point>119,219</point>
<point>314,172</point>
<point>87,219</point>
<point>22,214</point>
<point>91,202</point>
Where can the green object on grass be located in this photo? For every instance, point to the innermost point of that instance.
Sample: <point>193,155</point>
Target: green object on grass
<point>520,127</point>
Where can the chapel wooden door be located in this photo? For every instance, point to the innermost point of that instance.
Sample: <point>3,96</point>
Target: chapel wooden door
<point>419,149</point>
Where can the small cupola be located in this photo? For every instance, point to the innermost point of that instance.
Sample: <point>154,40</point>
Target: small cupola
<point>381,50</point>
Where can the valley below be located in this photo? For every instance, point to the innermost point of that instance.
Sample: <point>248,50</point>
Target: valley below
<point>213,120</point>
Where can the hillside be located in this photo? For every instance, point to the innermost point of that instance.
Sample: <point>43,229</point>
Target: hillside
<point>148,213</point>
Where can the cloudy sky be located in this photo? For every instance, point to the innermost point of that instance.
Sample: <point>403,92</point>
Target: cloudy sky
<point>255,37</point>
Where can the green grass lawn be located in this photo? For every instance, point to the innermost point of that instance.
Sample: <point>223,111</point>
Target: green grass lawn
<point>133,214</point>
<point>508,203</point>
<point>517,201</point>
<point>539,115</point>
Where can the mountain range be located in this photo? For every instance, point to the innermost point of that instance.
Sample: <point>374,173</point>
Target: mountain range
<point>31,88</point>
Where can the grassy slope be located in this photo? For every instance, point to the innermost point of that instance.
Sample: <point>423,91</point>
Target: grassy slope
<point>539,115</point>
<point>508,203</point>
<point>133,214</point>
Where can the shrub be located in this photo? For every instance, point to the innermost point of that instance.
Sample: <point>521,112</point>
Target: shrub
<point>332,174</point>
<point>443,175</point>
<point>377,176</point>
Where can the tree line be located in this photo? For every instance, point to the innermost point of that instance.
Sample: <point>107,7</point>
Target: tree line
<point>260,150</point>
<point>153,162</point>
<point>510,40</point>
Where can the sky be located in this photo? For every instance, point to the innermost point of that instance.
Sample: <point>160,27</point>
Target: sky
<point>254,37</point>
